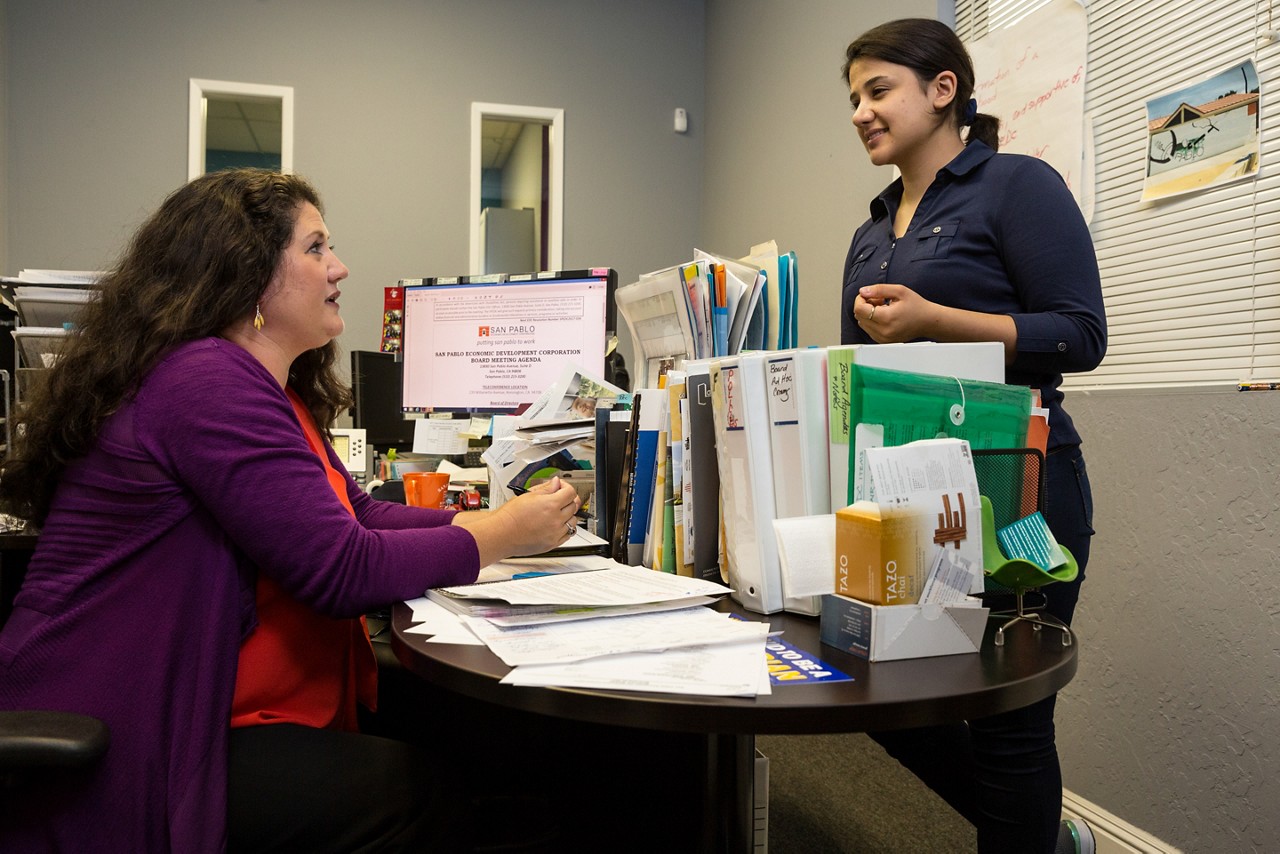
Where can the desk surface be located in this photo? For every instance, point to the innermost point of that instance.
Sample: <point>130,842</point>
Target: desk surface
<point>885,695</point>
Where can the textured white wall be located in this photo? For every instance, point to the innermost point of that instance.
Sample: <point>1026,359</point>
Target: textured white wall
<point>1173,721</point>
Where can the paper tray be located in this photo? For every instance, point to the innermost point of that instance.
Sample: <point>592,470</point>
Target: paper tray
<point>50,307</point>
<point>39,344</point>
<point>889,632</point>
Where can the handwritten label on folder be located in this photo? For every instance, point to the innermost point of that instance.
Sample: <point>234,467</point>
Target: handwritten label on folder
<point>783,408</point>
<point>732,398</point>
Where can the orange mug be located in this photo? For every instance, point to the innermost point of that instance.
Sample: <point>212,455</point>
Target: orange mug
<point>426,488</point>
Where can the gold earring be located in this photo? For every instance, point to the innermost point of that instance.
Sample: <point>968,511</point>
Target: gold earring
<point>257,317</point>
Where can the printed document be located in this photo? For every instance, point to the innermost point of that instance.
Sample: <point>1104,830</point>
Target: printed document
<point>724,670</point>
<point>580,639</point>
<point>622,585</point>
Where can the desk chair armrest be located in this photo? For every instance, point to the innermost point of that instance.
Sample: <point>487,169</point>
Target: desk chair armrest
<point>43,739</point>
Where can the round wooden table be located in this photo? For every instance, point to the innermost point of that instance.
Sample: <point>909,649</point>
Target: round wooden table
<point>1030,666</point>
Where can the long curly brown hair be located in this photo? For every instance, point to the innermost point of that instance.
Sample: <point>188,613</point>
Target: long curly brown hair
<point>196,266</point>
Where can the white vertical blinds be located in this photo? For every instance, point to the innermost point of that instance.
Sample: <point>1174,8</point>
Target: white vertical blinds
<point>1191,284</point>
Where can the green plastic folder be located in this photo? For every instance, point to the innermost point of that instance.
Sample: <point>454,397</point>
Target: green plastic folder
<point>889,408</point>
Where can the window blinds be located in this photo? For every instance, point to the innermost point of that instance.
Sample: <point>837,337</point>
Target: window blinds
<point>1192,283</point>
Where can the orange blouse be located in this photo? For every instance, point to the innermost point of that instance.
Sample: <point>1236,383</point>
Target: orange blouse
<point>300,666</point>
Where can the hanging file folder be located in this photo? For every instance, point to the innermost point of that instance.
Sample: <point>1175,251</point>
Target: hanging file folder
<point>891,408</point>
<point>982,361</point>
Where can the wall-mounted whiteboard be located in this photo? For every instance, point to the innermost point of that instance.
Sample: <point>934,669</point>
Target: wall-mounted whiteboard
<point>1031,75</point>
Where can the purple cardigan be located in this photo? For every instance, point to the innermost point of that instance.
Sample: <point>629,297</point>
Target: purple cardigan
<point>142,588</point>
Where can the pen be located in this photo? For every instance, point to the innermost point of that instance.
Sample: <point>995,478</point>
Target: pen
<point>520,490</point>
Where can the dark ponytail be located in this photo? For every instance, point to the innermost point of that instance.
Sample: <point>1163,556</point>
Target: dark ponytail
<point>986,129</point>
<point>928,48</point>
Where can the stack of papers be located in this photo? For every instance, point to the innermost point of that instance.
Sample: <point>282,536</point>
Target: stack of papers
<point>711,306</point>
<point>555,435</point>
<point>621,627</point>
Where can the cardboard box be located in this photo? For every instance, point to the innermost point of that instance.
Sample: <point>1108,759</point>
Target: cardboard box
<point>882,553</point>
<point>890,632</point>
<point>936,477</point>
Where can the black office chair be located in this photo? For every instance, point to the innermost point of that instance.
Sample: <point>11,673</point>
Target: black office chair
<point>43,742</point>
<point>40,743</point>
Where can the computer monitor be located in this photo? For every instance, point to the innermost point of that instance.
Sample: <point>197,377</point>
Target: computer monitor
<point>375,385</point>
<point>495,343</point>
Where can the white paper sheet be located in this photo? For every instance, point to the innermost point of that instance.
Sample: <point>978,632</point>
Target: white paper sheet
<point>609,636</point>
<point>440,622</point>
<point>807,554</point>
<point>621,585</point>
<point>724,670</point>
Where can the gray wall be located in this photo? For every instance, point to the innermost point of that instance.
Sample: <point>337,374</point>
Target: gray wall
<point>1171,722</point>
<point>783,160</point>
<point>382,94</point>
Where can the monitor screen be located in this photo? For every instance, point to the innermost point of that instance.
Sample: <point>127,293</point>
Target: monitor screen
<point>376,379</point>
<point>495,343</point>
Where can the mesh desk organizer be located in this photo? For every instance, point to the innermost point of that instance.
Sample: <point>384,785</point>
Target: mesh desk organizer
<point>1011,483</point>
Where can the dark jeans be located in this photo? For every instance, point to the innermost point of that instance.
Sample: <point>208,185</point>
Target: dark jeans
<point>1002,773</point>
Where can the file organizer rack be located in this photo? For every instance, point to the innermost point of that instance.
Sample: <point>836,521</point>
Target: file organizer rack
<point>8,423</point>
<point>1011,481</point>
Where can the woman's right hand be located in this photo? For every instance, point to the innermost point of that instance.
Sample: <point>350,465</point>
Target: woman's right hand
<point>532,523</point>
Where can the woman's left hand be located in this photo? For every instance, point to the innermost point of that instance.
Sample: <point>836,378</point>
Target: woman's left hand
<point>894,313</point>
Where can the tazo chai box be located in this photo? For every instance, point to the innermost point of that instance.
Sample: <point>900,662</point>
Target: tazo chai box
<point>880,553</point>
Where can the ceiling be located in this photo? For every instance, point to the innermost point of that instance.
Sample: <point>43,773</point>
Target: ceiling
<point>497,139</point>
<point>241,124</point>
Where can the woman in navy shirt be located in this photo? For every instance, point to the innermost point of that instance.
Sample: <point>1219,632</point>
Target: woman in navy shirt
<point>970,245</point>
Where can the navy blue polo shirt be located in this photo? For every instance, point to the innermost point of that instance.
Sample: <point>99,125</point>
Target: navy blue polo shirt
<point>1000,234</point>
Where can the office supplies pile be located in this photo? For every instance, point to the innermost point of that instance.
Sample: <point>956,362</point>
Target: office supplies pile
<point>555,437</point>
<point>711,306</point>
<point>592,623</point>
<point>655,457</point>
<point>736,467</point>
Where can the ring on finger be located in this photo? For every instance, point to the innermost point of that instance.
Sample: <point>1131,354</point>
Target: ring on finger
<point>568,527</point>
<point>872,314</point>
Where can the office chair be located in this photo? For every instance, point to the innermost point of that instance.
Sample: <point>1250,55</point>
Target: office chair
<point>1012,485</point>
<point>38,742</point>
<point>34,742</point>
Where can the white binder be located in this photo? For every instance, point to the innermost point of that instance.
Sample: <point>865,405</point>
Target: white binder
<point>811,405</point>
<point>790,425</point>
<point>744,458</point>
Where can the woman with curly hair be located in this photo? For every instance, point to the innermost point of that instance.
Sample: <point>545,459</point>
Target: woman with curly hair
<point>204,559</point>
